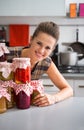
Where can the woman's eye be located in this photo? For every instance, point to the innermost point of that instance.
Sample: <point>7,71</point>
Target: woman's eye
<point>48,48</point>
<point>39,43</point>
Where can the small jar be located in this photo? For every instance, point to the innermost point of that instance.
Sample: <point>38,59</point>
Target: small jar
<point>38,88</point>
<point>22,100</point>
<point>3,97</point>
<point>3,52</point>
<point>3,105</point>
<point>22,76</point>
<point>23,92</point>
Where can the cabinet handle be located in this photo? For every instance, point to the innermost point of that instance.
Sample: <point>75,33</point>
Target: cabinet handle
<point>81,86</point>
<point>47,85</point>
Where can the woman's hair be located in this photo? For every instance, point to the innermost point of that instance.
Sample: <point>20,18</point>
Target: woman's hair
<point>49,28</point>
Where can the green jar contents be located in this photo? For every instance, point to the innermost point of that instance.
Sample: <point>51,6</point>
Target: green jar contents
<point>3,105</point>
<point>3,97</point>
<point>38,88</point>
<point>6,76</point>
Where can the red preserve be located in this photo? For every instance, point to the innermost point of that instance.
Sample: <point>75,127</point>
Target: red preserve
<point>22,74</point>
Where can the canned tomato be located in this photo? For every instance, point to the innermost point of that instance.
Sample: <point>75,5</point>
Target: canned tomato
<point>22,70</point>
<point>22,77</point>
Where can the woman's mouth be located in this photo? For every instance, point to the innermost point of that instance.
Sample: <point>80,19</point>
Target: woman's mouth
<point>39,55</point>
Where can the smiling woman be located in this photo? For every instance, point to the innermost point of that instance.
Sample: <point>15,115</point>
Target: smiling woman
<point>42,44</point>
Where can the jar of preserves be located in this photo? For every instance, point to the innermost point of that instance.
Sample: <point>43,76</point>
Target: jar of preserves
<point>23,92</point>
<point>37,87</point>
<point>22,77</point>
<point>3,97</point>
<point>3,105</point>
<point>6,75</point>
<point>3,52</point>
<point>22,70</point>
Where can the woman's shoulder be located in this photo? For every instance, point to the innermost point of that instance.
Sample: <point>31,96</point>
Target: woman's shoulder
<point>24,51</point>
<point>47,61</point>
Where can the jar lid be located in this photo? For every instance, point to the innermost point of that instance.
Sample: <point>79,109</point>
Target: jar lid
<point>21,63</point>
<point>5,68</point>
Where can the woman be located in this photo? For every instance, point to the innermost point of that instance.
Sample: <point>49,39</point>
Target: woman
<point>42,43</point>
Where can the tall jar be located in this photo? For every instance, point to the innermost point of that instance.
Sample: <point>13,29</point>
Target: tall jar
<point>6,75</point>
<point>3,52</point>
<point>22,76</point>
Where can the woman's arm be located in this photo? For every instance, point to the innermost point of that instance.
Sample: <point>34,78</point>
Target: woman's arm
<point>65,90</point>
<point>60,82</point>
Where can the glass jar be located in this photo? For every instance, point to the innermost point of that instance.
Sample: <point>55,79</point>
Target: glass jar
<point>3,97</point>
<point>3,105</point>
<point>6,75</point>
<point>3,52</point>
<point>38,88</point>
<point>22,70</point>
<point>22,100</point>
<point>22,76</point>
<point>3,58</point>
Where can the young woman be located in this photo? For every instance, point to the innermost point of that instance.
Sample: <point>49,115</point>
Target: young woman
<point>42,43</point>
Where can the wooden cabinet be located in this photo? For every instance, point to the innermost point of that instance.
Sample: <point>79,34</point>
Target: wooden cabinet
<point>32,8</point>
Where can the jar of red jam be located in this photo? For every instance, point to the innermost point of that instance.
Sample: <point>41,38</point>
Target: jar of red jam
<point>22,75</point>
<point>23,92</point>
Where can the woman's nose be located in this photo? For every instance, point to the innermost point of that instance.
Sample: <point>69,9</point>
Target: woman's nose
<point>42,50</point>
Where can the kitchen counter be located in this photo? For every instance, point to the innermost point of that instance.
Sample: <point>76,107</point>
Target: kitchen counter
<point>65,115</point>
<point>68,75</point>
<point>73,75</point>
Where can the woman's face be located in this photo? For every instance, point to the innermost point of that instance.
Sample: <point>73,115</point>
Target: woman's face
<point>42,46</point>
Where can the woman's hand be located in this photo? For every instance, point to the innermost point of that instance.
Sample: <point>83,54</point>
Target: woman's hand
<point>44,100</point>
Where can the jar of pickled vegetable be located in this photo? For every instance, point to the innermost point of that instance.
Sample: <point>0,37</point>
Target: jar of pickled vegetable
<point>6,75</point>
<point>3,97</point>
<point>22,77</point>
<point>22,70</point>
<point>37,87</point>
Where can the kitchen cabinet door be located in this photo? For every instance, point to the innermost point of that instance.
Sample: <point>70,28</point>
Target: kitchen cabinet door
<point>49,87</point>
<point>71,83</point>
<point>79,88</point>
<point>32,8</point>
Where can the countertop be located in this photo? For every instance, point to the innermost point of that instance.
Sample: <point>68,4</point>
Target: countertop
<point>73,75</point>
<point>69,75</point>
<point>65,115</point>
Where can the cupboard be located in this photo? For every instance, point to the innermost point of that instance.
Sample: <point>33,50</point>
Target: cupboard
<point>32,8</point>
<point>77,83</point>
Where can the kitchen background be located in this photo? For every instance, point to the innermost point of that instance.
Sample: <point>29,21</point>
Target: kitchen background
<point>67,25</point>
<point>27,13</point>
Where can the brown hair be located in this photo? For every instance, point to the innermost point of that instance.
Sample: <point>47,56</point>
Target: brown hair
<point>47,27</point>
